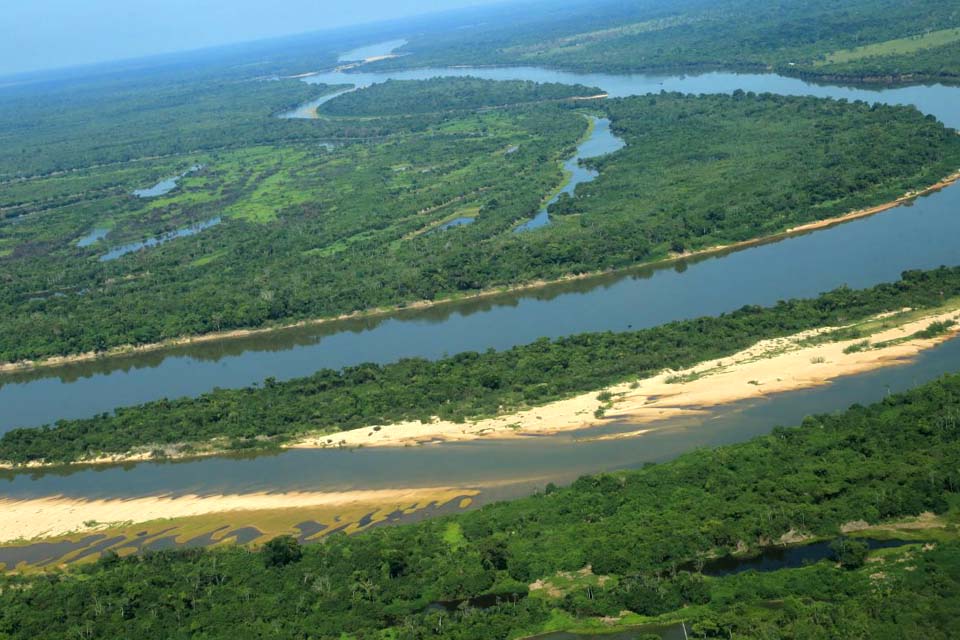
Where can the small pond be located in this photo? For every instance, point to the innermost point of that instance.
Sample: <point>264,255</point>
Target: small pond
<point>95,236</point>
<point>776,558</point>
<point>166,185</point>
<point>192,230</point>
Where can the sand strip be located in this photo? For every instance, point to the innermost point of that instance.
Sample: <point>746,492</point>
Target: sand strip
<point>56,515</point>
<point>768,367</point>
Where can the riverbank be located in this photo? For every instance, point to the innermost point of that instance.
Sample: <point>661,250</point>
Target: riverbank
<point>133,350</point>
<point>801,361</point>
<point>57,516</point>
<point>812,358</point>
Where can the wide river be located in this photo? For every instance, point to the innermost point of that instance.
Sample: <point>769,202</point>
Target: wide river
<point>859,254</point>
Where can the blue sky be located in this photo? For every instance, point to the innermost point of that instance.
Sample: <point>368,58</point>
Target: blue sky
<point>40,34</point>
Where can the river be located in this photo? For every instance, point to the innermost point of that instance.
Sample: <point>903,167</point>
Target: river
<point>860,253</point>
<point>501,469</point>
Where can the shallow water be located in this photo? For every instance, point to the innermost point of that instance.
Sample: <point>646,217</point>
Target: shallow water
<point>165,186</point>
<point>372,50</point>
<point>601,142</point>
<point>777,558</point>
<point>133,247</point>
<point>162,188</point>
<point>457,222</point>
<point>95,236</point>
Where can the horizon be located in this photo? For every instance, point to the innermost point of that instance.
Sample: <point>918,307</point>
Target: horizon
<point>33,43</point>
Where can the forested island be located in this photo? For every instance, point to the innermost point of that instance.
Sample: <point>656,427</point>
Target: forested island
<point>607,552</point>
<point>459,387</point>
<point>304,232</point>
<point>410,97</point>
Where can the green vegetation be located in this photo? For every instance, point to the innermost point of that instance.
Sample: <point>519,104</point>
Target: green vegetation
<point>125,121</point>
<point>935,63</point>
<point>874,39</point>
<point>899,46</point>
<point>637,529</point>
<point>406,97</point>
<point>688,179</point>
<point>341,214</point>
<point>458,387</point>
<point>312,231</point>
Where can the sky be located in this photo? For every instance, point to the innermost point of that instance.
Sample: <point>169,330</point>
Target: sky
<point>42,34</point>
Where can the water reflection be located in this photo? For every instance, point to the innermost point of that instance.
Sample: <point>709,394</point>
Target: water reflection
<point>857,254</point>
<point>501,469</point>
<point>184,232</point>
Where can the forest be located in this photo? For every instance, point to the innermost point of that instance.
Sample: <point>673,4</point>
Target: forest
<point>405,97</point>
<point>270,220</point>
<point>625,545</point>
<point>458,387</point>
<point>933,63</point>
<point>789,36</point>
<point>343,221</point>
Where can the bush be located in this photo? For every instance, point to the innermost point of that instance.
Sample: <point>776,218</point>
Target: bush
<point>281,551</point>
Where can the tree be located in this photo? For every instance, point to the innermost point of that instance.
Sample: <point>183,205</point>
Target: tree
<point>281,551</point>
<point>851,554</point>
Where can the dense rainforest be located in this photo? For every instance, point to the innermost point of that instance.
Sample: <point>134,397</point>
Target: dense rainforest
<point>457,387</point>
<point>345,222</point>
<point>878,40</point>
<point>406,97</point>
<point>621,545</point>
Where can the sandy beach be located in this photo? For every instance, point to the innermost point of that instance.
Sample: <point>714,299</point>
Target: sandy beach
<point>766,368</point>
<point>55,515</point>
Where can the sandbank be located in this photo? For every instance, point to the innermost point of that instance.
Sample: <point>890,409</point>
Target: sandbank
<point>57,515</point>
<point>767,368</point>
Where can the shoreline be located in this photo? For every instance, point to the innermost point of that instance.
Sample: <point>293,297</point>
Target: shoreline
<point>767,368</point>
<point>49,517</point>
<point>233,334</point>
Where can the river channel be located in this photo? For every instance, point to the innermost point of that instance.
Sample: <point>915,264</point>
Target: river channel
<point>860,253</point>
<point>501,469</point>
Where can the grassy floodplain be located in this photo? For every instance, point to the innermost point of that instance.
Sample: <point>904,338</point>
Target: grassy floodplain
<point>854,41</point>
<point>899,46</point>
<point>312,231</point>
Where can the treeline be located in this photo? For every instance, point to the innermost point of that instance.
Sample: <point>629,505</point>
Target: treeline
<point>458,387</point>
<point>338,232</point>
<point>637,529</point>
<point>404,97</point>
<point>698,172</point>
